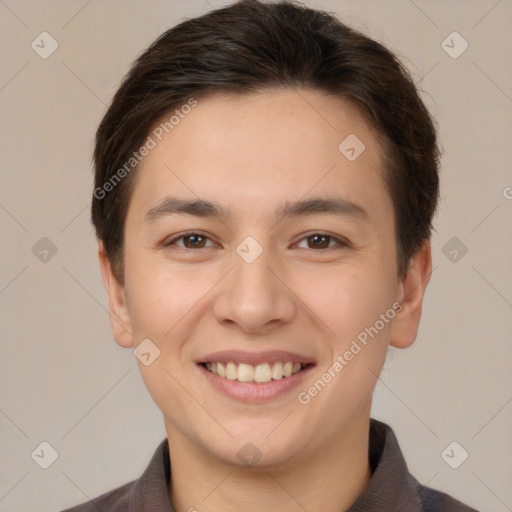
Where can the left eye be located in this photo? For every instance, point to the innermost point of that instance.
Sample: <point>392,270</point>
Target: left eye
<point>314,241</point>
<point>322,241</point>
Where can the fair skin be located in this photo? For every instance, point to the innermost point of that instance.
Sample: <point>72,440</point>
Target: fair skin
<point>197,296</point>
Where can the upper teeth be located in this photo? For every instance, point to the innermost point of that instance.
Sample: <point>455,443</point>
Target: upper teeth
<point>260,373</point>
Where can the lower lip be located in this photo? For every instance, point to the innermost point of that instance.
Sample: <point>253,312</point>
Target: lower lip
<point>254,392</point>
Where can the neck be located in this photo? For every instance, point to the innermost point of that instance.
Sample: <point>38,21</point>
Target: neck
<point>329,478</point>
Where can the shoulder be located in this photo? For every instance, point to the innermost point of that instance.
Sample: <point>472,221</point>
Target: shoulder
<point>116,500</point>
<point>437,501</point>
<point>149,492</point>
<point>393,484</point>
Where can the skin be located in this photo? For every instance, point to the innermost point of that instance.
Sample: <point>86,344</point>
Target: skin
<point>250,153</point>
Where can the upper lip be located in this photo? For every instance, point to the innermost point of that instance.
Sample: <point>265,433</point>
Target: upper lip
<point>255,358</point>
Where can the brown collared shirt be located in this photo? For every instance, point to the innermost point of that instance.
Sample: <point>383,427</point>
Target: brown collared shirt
<point>391,488</point>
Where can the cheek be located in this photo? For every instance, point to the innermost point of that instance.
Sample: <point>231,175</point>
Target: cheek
<point>347,300</point>
<point>163,307</point>
<point>164,299</point>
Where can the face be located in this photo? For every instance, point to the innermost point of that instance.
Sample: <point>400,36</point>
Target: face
<point>291,267</point>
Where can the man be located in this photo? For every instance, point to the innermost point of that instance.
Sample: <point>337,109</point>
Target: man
<point>266,179</point>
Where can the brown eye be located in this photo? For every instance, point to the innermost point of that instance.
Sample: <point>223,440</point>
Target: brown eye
<point>194,241</point>
<point>190,241</point>
<point>318,241</point>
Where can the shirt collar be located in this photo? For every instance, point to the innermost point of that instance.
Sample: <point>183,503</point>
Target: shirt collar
<point>391,486</point>
<point>151,490</point>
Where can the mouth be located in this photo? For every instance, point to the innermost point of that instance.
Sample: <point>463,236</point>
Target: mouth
<point>255,378</point>
<point>260,373</point>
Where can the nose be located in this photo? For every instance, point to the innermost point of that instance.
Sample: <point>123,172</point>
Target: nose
<point>255,297</point>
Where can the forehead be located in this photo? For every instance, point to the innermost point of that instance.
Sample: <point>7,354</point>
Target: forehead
<point>246,151</point>
<point>306,122</point>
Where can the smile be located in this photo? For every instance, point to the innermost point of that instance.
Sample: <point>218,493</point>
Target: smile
<point>261,373</point>
<point>252,377</point>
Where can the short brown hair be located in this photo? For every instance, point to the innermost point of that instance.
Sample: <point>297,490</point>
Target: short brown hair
<point>249,46</point>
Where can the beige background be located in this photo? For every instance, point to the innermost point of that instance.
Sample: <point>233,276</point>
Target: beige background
<point>65,381</point>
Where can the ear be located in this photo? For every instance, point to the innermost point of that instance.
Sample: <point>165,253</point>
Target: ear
<point>119,317</point>
<point>406,322</point>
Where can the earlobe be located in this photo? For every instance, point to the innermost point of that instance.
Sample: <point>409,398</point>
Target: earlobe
<point>118,311</point>
<point>406,323</point>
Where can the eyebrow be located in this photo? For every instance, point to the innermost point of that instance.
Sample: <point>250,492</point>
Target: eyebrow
<point>201,208</point>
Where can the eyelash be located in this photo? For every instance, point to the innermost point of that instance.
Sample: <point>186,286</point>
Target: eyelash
<point>340,243</point>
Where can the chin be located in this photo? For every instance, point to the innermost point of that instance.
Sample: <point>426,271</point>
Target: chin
<point>257,451</point>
